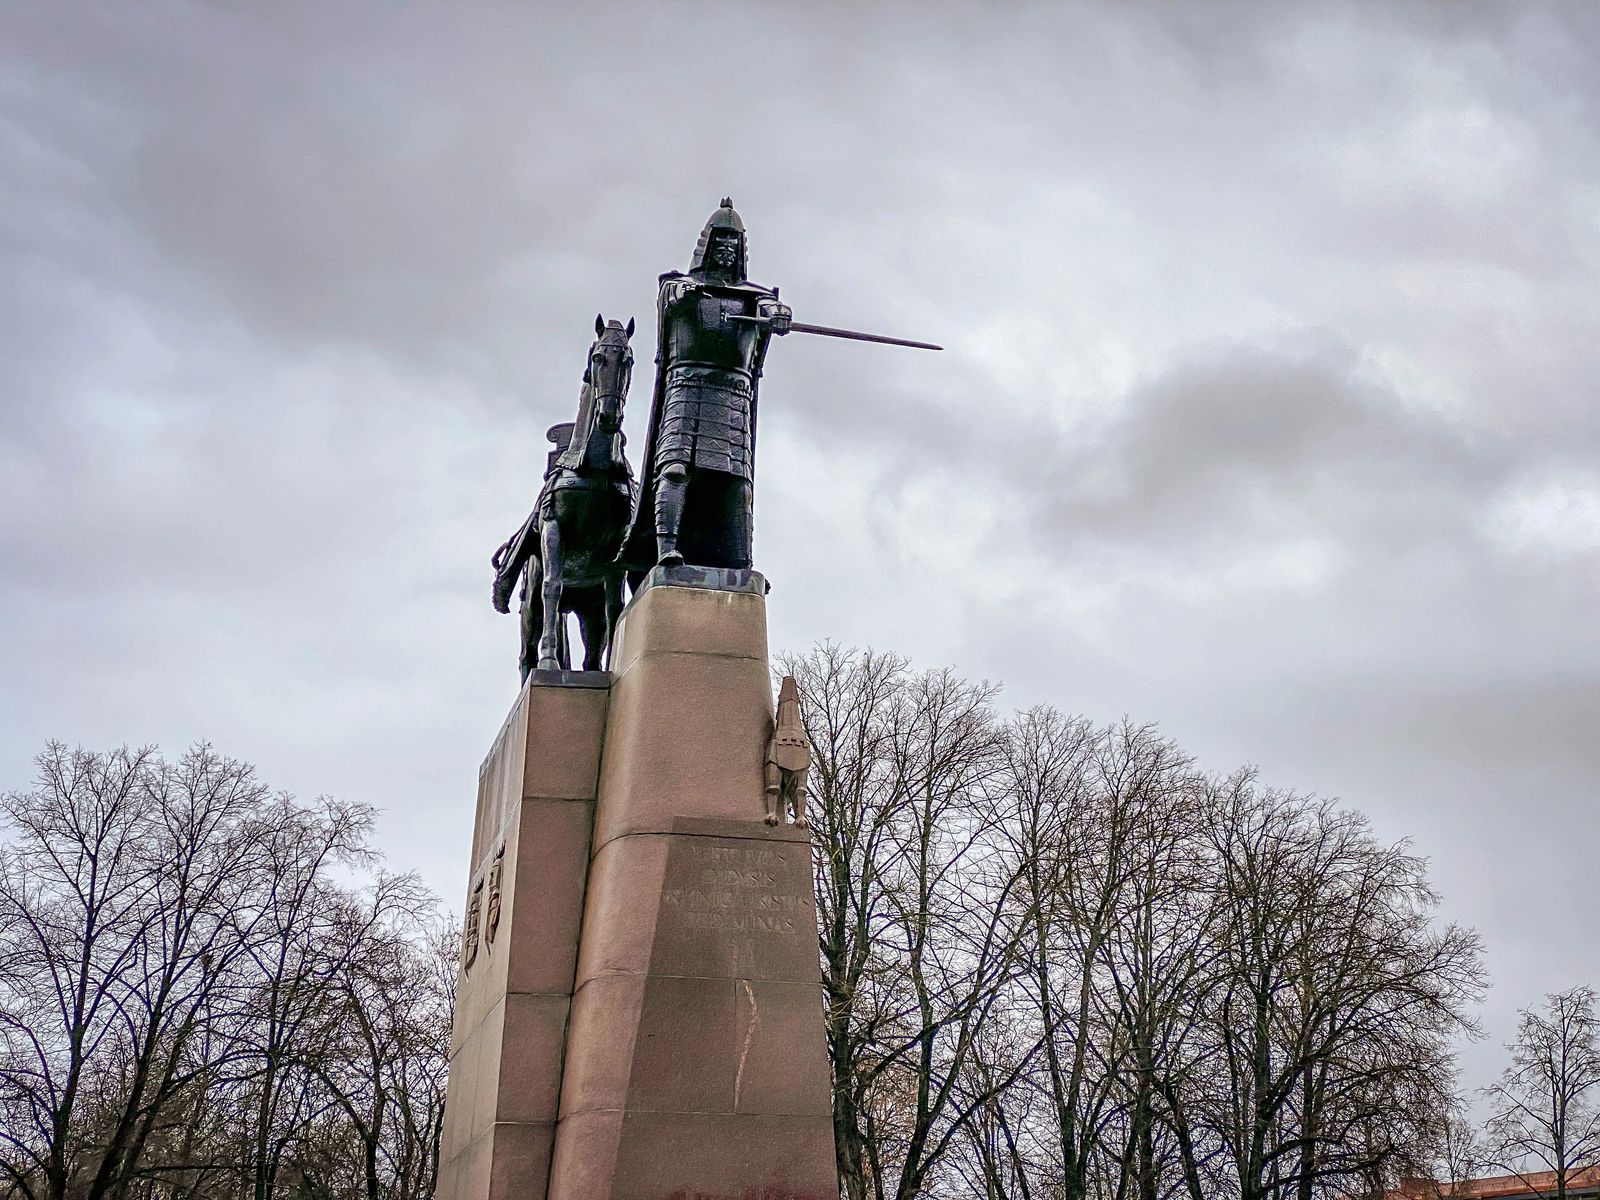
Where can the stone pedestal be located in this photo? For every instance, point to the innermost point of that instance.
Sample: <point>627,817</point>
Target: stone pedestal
<point>693,1065</point>
<point>530,860</point>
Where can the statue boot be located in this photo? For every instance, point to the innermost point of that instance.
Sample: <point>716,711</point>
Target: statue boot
<point>672,486</point>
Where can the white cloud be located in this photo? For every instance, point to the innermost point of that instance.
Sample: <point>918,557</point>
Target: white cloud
<point>1553,516</point>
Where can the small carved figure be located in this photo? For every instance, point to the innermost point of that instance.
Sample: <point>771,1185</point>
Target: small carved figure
<point>566,551</point>
<point>788,759</point>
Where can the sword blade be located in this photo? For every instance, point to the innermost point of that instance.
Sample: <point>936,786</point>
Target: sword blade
<point>857,336</point>
<point>849,334</point>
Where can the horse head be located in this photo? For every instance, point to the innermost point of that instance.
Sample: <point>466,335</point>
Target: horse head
<point>609,371</point>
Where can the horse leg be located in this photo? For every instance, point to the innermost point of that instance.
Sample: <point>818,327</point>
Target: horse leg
<point>532,580</point>
<point>591,617</point>
<point>613,611</point>
<point>550,657</point>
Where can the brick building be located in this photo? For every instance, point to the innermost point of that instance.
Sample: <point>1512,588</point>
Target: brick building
<point>1534,1185</point>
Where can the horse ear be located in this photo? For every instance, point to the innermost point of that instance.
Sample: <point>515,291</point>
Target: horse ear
<point>599,324</point>
<point>630,326</point>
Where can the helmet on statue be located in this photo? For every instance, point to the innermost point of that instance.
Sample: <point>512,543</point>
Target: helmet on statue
<point>724,224</point>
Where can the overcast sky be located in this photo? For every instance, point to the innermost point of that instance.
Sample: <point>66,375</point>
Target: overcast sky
<point>1268,411</point>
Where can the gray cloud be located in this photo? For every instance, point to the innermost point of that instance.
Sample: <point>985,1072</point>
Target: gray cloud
<point>1291,444</point>
<point>1268,409</point>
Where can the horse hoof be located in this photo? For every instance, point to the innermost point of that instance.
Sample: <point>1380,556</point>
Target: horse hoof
<point>670,559</point>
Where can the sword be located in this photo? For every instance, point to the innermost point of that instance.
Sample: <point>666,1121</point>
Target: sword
<point>851,334</point>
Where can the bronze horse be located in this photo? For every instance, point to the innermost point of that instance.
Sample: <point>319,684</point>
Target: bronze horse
<point>566,551</point>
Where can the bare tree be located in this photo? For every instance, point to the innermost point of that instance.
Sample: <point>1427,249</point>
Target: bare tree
<point>1059,962</point>
<point>1453,1155</point>
<point>995,1160</point>
<point>915,903</point>
<point>1459,1152</point>
<point>191,1006</point>
<point>294,968</point>
<point>1336,999</point>
<point>1159,961</point>
<point>126,893</point>
<point>1546,1105</point>
<point>847,699</point>
<point>1097,816</point>
<point>386,1041</point>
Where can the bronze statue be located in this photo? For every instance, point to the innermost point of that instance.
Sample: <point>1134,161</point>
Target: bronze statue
<point>788,759</point>
<point>713,330</point>
<point>696,488</point>
<point>566,551</point>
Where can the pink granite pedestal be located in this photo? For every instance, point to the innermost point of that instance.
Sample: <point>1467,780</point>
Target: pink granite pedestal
<point>530,860</point>
<point>670,1047</point>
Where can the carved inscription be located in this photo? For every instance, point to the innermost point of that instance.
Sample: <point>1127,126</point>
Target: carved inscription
<point>740,889</point>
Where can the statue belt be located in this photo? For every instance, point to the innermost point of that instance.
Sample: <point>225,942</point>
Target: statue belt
<point>718,378</point>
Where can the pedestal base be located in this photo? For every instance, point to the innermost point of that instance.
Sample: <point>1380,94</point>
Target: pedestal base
<point>696,1064</point>
<point>530,856</point>
<point>682,1028</point>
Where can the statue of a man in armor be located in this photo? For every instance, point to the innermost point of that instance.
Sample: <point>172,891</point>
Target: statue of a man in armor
<point>697,488</point>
